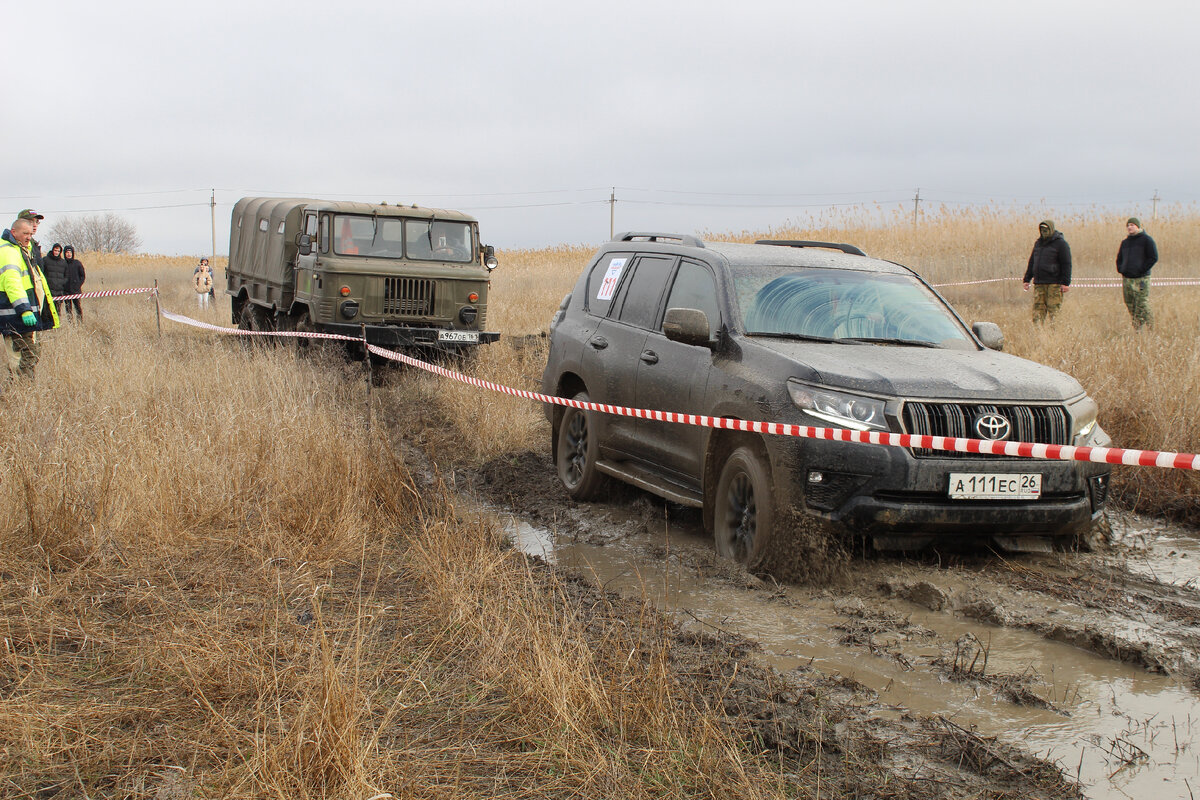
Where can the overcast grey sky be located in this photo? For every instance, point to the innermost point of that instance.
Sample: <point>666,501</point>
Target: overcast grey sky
<point>703,115</point>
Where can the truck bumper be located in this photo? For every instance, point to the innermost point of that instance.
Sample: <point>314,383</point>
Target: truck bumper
<point>397,336</point>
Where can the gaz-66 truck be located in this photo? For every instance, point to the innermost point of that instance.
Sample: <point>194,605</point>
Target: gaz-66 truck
<point>415,277</point>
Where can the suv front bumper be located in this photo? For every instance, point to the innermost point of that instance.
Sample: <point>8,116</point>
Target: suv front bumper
<point>886,490</point>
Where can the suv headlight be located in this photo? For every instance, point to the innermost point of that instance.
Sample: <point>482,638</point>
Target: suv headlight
<point>840,409</point>
<point>1083,417</point>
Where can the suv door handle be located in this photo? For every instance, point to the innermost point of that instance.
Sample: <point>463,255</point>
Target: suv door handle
<point>650,357</point>
<point>598,342</point>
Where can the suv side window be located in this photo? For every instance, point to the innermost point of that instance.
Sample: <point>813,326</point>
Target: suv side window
<point>641,292</point>
<point>603,281</point>
<point>695,287</point>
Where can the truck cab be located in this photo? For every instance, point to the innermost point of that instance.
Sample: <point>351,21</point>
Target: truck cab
<point>408,277</point>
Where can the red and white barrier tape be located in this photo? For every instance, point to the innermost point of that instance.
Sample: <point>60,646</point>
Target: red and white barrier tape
<point>113,293</point>
<point>1100,455</point>
<point>1081,283</point>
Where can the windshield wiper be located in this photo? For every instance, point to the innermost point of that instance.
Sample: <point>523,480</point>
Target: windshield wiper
<point>801,337</point>
<point>887,340</point>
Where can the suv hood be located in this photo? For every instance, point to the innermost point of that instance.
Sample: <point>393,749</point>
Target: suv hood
<point>921,372</point>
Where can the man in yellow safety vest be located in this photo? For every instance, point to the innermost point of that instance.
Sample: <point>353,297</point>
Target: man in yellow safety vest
<point>26,306</point>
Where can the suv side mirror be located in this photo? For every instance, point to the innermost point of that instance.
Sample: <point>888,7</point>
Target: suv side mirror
<point>489,258</point>
<point>304,243</point>
<point>989,334</point>
<point>687,325</point>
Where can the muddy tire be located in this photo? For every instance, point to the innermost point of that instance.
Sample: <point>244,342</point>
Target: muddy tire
<point>744,512</point>
<point>576,453</point>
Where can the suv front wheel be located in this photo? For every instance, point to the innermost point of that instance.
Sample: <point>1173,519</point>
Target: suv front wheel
<point>576,451</point>
<point>744,510</point>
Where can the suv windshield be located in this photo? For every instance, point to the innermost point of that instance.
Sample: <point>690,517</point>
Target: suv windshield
<point>844,305</point>
<point>391,237</point>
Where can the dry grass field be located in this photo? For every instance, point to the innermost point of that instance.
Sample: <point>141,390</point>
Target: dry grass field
<point>221,576</point>
<point>217,579</point>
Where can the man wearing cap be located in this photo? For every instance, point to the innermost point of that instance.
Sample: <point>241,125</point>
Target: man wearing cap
<point>1136,255</point>
<point>26,305</point>
<point>1049,270</point>
<point>35,248</point>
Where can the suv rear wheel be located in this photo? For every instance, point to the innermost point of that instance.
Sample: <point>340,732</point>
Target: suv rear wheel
<point>576,452</point>
<point>744,510</point>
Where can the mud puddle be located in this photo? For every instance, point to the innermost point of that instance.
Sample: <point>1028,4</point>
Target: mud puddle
<point>900,631</point>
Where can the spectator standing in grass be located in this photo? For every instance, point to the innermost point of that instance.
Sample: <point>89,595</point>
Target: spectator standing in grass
<point>76,275</point>
<point>1135,257</point>
<point>26,306</point>
<point>54,267</point>
<point>203,281</point>
<point>1049,271</point>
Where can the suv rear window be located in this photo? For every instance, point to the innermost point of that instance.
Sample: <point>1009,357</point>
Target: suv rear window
<point>641,291</point>
<point>603,281</point>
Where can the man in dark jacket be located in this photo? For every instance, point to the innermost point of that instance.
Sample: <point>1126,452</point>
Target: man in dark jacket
<point>54,267</point>
<point>76,275</point>
<point>1136,255</point>
<point>1049,270</point>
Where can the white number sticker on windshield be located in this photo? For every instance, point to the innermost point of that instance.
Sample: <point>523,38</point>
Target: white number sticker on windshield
<point>609,284</point>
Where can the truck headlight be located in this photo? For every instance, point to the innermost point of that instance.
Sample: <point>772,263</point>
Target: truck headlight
<point>350,309</point>
<point>840,409</point>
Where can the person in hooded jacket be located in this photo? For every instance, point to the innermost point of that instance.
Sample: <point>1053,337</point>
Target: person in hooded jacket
<point>54,267</point>
<point>1135,257</point>
<point>1049,271</point>
<point>76,275</point>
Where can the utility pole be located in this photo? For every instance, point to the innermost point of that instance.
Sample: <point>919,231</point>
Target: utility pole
<point>916,203</point>
<point>612,213</point>
<point>1154,213</point>
<point>213,207</point>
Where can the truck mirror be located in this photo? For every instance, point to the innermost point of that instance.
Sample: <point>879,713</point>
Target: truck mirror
<point>489,257</point>
<point>304,243</point>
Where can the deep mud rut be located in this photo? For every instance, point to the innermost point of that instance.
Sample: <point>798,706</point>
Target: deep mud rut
<point>1090,661</point>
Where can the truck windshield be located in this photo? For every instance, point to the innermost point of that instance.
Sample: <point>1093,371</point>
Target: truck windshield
<point>392,237</point>
<point>844,305</point>
<point>438,240</point>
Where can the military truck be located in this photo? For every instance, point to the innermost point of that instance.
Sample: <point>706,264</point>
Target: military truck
<point>417,278</point>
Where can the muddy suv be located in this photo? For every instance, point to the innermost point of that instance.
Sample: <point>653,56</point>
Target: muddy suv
<point>816,334</point>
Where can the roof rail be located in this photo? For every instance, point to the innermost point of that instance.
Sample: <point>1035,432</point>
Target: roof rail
<point>845,248</point>
<point>682,238</point>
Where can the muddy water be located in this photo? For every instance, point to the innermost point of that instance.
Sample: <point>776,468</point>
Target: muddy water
<point>1108,712</point>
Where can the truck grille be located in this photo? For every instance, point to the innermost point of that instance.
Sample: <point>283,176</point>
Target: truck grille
<point>1036,424</point>
<point>409,297</point>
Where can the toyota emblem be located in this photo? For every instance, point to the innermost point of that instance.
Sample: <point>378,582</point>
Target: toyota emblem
<point>992,427</point>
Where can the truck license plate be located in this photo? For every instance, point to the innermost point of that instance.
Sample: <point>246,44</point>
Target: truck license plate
<point>985,486</point>
<point>458,336</point>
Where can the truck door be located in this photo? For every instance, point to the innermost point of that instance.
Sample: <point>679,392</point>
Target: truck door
<point>306,264</point>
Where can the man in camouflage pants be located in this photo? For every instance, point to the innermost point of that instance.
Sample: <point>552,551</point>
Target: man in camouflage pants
<point>1135,257</point>
<point>1049,270</point>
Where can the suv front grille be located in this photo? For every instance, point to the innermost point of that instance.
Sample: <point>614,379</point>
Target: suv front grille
<point>1036,424</point>
<point>409,297</point>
